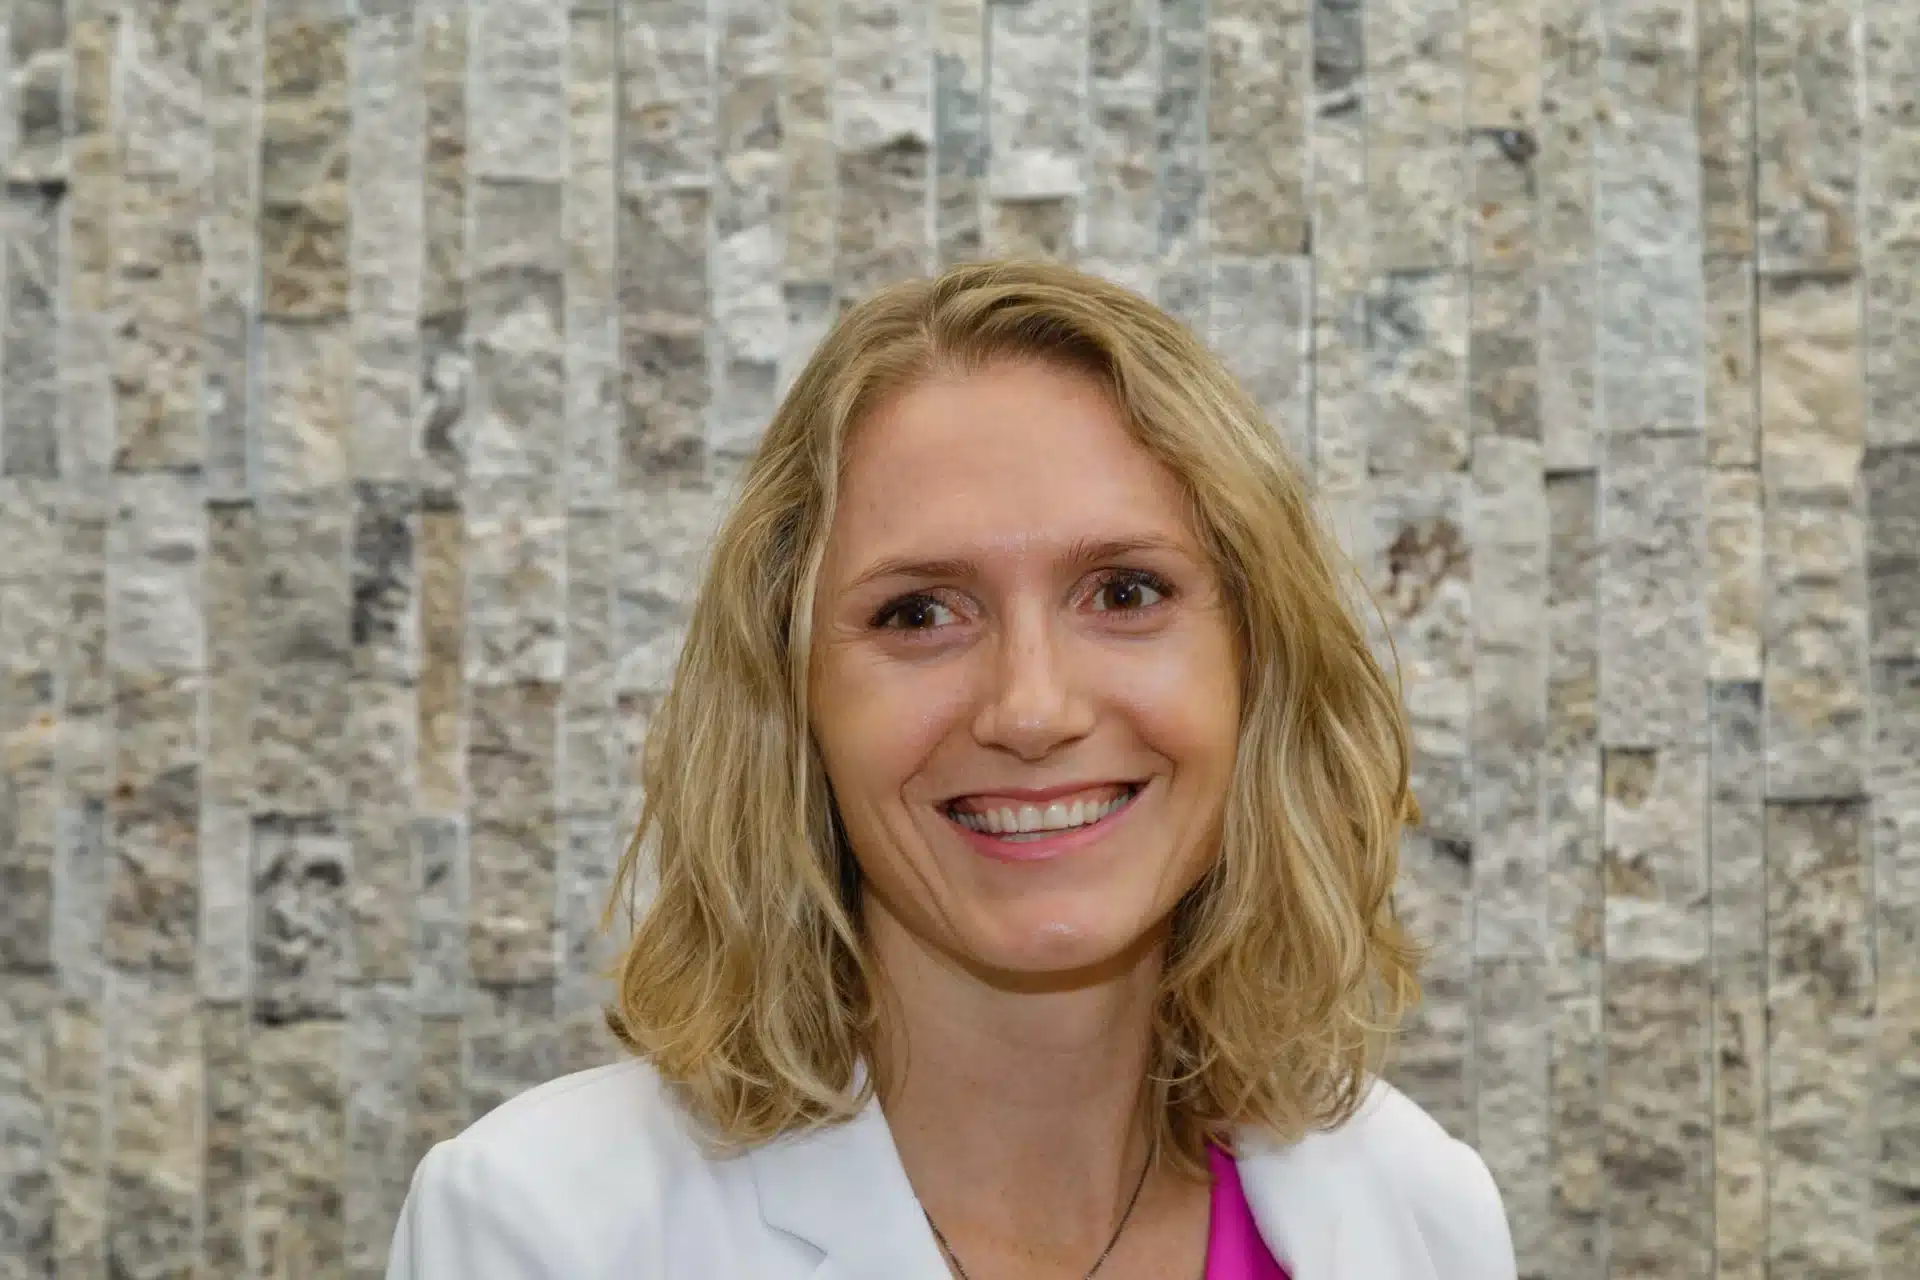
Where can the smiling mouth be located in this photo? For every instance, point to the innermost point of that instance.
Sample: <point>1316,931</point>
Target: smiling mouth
<point>1027,823</point>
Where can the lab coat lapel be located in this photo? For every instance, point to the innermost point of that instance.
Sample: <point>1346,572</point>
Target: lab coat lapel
<point>843,1191</point>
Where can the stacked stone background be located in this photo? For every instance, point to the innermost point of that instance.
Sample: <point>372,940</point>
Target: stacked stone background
<point>372,374</point>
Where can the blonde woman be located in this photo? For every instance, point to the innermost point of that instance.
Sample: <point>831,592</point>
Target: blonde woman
<point>1020,829</point>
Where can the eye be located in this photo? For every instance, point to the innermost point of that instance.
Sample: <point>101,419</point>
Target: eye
<point>917,612</point>
<point>1132,590</point>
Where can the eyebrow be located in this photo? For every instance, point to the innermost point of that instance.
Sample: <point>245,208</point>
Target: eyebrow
<point>1082,551</point>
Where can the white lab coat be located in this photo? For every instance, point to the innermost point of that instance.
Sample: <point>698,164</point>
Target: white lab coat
<point>597,1176</point>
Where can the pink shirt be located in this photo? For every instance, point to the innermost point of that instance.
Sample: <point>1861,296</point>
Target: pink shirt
<point>1235,1250</point>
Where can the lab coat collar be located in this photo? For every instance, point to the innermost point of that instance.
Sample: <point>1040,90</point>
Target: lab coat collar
<point>1324,1212</point>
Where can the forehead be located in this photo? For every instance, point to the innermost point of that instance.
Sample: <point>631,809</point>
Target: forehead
<point>1013,459</point>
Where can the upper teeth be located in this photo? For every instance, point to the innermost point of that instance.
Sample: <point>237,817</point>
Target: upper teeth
<point>1029,817</point>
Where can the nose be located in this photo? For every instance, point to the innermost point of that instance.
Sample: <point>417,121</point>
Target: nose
<point>1034,705</point>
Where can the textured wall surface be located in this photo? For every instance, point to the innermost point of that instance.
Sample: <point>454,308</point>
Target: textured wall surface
<point>371,369</point>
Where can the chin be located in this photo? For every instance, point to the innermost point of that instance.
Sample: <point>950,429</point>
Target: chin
<point>1057,949</point>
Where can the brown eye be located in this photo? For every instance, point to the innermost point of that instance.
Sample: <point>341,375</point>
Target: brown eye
<point>913,613</point>
<point>1132,592</point>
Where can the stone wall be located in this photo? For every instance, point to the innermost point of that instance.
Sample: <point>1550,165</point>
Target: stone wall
<point>370,370</point>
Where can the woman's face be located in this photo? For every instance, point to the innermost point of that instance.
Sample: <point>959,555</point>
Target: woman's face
<point>1024,677</point>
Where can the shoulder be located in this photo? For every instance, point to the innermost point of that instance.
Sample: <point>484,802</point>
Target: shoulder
<point>1392,1184</point>
<point>565,1176</point>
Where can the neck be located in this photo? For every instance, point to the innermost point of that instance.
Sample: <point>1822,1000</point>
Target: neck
<point>1020,1109</point>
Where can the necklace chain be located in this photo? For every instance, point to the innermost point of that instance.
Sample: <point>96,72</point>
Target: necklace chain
<point>1125,1215</point>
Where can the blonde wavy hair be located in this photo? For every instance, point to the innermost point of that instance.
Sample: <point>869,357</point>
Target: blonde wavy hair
<point>745,982</point>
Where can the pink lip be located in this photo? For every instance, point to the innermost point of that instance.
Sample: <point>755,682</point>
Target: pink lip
<point>1049,847</point>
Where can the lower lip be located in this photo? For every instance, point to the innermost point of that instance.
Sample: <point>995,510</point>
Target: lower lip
<point>1051,846</point>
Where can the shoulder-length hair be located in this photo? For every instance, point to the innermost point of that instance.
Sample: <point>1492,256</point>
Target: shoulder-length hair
<point>745,982</point>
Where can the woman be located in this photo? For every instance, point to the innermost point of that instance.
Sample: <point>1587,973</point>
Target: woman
<point>1022,819</point>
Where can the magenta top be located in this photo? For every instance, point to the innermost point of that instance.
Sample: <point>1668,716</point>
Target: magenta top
<point>1235,1250</point>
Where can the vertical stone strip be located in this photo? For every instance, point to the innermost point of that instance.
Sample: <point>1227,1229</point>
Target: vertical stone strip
<point>806,114</point>
<point>295,1151</point>
<point>590,232</point>
<point>883,134</point>
<point>1576,895</point>
<point>35,206</point>
<point>440,452</point>
<point>515,832</point>
<point>229,239</point>
<point>1807,98</point>
<point>1738,866</point>
<point>381,1045</point>
<point>960,119</point>
<point>1895,789</point>
<point>1260,55</point>
<point>1337,144</point>
<point>300,919</point>
<point>1820,1050</point>
<point>595,787</point>
<point>1415,109</point>
<point>156,1095</point>
<point>749,199</point>
<point>232,576</point>
<point>1570,36</point>
<point>1725,106</point>
<point>77,1071</point>
<point>302,607</point>
<point>667,143</point>
<point>1180,134</point>
<point>1890,136</point>
<point>1036,124</point>
<point>223,1228</point>
<point>33,621</point>
<point>156,648</point>
<point>1259,323</point>
<point>510,1044</point>
<point>27,1211</point>
<point>86,346</point>
<point>1421,574</point>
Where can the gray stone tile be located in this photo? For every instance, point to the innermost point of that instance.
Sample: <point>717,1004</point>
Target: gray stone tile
<point>1653,638</point>
<point>593,846</point>
<point>1893,552</point>
<point>1895,788</point>
<point>304,429</point>
<point>1575,1247</point>
<point>1724,31</point>
<point>1257,101</point>
<point>1574,889</point>
<point>1807,135</point>
<point>882,227</point>
<point>515,837</point>
<point>1815,633</point>
<point>27,1204</point>
<point>305,143</point>
<point>1568,348</point>
<point>1416,69</point>
<point>1892,349</point>
<point>592,782</point>
<point>1571,35</point>
<point>39,66</point>
<point>229,1089</point>
<point>1337,146</point>
<point>299,739</point>
<point>516,328</point>
<point>1655,811</point>
<point>1260,326</point>
<point>1651,344</point>
<point>663,544</point>
<point>155,553</point>
<point>1736,841</point>
<point>1416,373</point>
<point>1509,532</point>
<point>32,608</point>
<point>381,1045</point>
<point>1736,573</point>
<point>807,120</point>
<point>664,310</point>
<point>439,1108</point>
<point>1503,356</point>
<point>1503,226</point>
<point>160,108</point>
<point>223,963</point>
<point>85,522</point>
<point>1659,1189</point>
<point>960,119</point>
<point>155,304</point>
<point>1415,194</point>
<point>385,582</point>
<point>1820,1049</point>
<point>153,897</point>
<point>386,224</point>
<point>1044,229</point>
<point>1890,137</point>
<point>440,915</point>
<point>516,560</point>
<point>299,927</point>
<point>1511,1062</point>
<point>382,724</point>
<point>1503,67</point>
<point>667,125</point>
<point>77,1078</point>
<point>1733,436</point>
<point>230,580</point>
<point>295,1150</point>
<point>156,1095</point>
<point>1432,1059</point>
<point>1342,428</point>
<point>510,1045</point>
<point>82,872</point>
<point>519,117</point>
<point>1035,102</point>
<point>1181,125</point>
<point>443,219</point>
<point>303,596</point>
<point>443,625</point>
<point>590,228</point>
<point>30,442</point>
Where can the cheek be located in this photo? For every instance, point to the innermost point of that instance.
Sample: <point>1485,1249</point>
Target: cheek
<point>876,729</point>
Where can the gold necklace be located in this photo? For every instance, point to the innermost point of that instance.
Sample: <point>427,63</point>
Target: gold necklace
<point>1126,1214</point>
